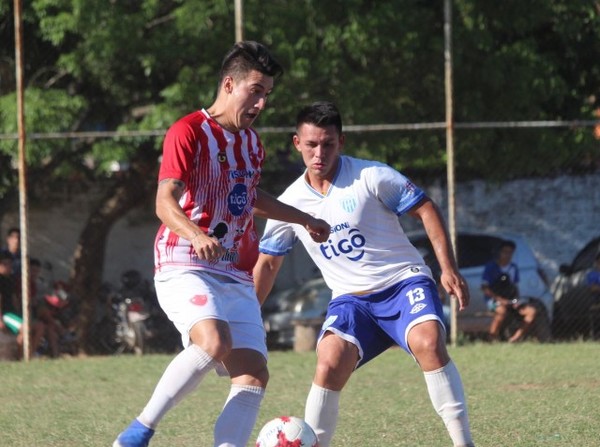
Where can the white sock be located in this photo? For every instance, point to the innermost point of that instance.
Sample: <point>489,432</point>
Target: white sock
<point>321,412</point>
<point>448,398</point>
<point>181,377</point>
<point>234,425</point>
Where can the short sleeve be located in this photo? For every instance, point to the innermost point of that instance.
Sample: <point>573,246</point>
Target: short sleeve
<point>393,189</point>
<point>278,238</point>
<point>179,148</point>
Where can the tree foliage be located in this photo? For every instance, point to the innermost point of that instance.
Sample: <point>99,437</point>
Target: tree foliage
<point>142,64</point>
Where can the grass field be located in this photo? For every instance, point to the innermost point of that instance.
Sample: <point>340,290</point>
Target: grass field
<point>518,395</point>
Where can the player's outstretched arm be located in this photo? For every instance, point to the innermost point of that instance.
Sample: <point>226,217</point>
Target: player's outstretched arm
<point>265,272</point>
<point>434,225</point>
<point>268,207</point>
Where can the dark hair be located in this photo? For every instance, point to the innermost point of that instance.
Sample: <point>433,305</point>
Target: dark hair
<point>504,243</point>
<point>13,230</point>
<point>321,114</point>
<point>246,56</point>
<point>35,262</point>
<point>508,243</point>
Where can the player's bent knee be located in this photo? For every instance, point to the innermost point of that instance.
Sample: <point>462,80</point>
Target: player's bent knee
<point>262,376</point>
<point>258,378</point>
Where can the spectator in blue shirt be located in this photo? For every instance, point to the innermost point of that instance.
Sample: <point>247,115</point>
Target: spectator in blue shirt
<point>500,285</point>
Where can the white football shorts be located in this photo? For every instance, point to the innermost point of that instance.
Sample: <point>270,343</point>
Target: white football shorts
<point>190,296</point>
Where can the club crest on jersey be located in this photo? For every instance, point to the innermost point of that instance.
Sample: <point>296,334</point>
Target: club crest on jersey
<point>348,203</point>
<point>237,199</point>
<point>221,157</point>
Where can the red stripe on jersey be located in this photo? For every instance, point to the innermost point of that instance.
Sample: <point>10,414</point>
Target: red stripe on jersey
<point>219,135</point>
<point>218,153</point>
<point>203,157</point>
<point>256,158</point>
<point>237,152</point>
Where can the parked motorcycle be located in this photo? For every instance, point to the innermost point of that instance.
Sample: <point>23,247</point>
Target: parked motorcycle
<point>134,322</point>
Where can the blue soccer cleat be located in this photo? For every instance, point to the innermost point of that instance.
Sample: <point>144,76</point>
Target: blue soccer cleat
<point>136,435</point>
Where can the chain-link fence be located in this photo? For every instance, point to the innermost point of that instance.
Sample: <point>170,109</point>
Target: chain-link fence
<point>553,218</point>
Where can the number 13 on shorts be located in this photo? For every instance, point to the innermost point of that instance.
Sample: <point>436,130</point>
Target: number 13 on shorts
<point>415,295</point>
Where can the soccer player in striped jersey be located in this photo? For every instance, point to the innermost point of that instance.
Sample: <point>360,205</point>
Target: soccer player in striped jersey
<point>206,247</point>
<point>383,292</point>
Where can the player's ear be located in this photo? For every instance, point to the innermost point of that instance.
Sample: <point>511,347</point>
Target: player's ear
<point>342,141</point>
<point>296,141</point>
<point>228,84</point>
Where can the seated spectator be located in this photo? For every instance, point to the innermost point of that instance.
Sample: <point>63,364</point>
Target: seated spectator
<point>10,319</point>
<point>43,324</point>
<point>500,287</point>
<point>13,249</point>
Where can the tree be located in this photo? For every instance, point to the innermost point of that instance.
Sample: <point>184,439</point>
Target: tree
<point>526,61</point>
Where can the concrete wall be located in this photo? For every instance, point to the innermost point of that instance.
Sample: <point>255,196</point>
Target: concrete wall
<point>558,216</point>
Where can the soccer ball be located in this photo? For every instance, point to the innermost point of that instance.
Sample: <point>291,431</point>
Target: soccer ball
<point>287,431</point>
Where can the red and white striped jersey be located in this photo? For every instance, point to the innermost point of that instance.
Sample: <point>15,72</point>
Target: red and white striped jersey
<point>221,170</point>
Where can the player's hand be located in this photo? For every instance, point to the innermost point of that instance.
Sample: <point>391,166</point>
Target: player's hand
<point>456,285</point>
<point>207,247</point>
<point>318,229</point>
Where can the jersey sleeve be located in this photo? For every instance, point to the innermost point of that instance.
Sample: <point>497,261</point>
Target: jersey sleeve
<point>393,189</point>
<point>178,152</point>
<point>278,238</point>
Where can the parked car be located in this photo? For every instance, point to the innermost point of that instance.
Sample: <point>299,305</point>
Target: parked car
<point>284,309</point>
<point>572,298</point>
<point>474,250</point>
<point>281,310</point>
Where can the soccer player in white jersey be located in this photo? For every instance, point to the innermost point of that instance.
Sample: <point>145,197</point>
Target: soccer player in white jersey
<point>206,247</point>
<point>383,292</point>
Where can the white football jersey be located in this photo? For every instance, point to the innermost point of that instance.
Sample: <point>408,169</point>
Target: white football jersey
<point>367,249</point>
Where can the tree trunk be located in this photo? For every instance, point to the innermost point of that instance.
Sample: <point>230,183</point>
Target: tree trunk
<point>86,276</point>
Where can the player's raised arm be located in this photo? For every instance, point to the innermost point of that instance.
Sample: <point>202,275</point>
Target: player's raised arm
<point>269,207</point>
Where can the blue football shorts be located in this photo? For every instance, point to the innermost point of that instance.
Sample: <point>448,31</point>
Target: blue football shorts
<point>375,322</point>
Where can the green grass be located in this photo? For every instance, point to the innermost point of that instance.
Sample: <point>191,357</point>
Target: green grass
<point>518,395</point>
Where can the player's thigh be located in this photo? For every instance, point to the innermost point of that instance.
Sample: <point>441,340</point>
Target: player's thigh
<point>427,342</point>
<point>336,360</point>
<point>213,336</point>
<point>415,302</point>
<point>351,321</point>
<point>187,297</point>
<point>242,310</point>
